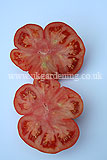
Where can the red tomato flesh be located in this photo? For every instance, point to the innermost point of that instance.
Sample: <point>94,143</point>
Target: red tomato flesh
<point>48,110</point>
<point>56,49</point>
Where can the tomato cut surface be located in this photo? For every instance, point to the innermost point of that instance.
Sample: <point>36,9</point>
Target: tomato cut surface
<point>48,110</point>
<point>56,49</point>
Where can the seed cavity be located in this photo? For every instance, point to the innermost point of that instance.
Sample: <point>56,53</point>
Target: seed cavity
<point>75,110</point>
<point>33,135</point>
<point>48,141</point>
<point>28,94</point>
<point>66,138</point>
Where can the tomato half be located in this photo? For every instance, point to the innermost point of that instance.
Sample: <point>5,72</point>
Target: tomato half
<point>48,110</point>
<point>56,49</point>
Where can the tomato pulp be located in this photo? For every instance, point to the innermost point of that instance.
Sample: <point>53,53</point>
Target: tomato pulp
<point>48,110</point>
<point>56,49</point>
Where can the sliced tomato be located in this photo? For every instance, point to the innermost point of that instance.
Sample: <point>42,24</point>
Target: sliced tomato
<point>27,36</point>
<point>56,49</point>
<point>48,110</point>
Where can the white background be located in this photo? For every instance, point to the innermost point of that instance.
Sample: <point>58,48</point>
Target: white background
<point>89,20</point>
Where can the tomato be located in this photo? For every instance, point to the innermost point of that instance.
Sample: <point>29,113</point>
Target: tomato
<point>48,110</point>
<point>56,49</point>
